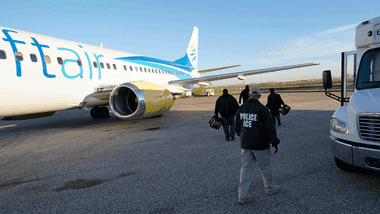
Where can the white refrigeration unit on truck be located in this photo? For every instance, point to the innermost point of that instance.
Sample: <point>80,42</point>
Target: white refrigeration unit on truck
<point>355,126</point>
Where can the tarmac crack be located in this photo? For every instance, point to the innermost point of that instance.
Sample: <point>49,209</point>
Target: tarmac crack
<point>15,182</point>
<point>85,183</point>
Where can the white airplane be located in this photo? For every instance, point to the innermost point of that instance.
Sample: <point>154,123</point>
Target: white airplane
<point>41,75</point>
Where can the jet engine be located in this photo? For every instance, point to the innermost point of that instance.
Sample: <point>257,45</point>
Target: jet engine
<point>138,99</point>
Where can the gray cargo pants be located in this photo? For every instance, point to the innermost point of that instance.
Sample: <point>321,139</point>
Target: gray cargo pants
<point>248,160</point>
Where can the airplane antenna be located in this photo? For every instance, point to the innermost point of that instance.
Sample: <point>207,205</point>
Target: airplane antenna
<point>101,45</point>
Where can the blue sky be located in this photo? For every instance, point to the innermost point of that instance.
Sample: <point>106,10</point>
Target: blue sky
<point>256,34</point>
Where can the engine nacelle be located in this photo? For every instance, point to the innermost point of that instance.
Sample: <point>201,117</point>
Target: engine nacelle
<point>134,100</point>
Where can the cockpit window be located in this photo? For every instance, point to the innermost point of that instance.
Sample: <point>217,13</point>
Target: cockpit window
<point>369,70</point>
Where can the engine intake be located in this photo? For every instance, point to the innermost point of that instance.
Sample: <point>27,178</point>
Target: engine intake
<point>134,100</point>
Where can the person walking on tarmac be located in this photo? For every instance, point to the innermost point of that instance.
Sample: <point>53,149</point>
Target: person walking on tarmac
<point>274,104</point>
<point>226,105</point>
<point>244,94</point>
<point>256,130</point>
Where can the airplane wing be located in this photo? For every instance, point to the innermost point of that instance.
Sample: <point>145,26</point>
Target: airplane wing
<point>240,75</point>
<point>216,69</point>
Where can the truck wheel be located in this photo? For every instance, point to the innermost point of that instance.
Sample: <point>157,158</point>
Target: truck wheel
<point>344,166</point>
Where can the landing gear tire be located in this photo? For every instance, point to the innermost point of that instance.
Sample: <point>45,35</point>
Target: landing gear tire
<point>99,112</point>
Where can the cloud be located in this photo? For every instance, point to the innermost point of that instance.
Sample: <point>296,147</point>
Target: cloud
<point>327,43</point>
<point>338,29</point>
<point>324,47</point>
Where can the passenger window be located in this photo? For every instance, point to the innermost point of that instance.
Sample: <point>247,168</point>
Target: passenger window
<point>149,70</point>
<point>79,62</point>
<point>130,67</point>
<point>108,66</point>
<point>145,70</point>
<point>2,54</point>
<point>114,66</point>
<point>125,67</point>
<point>60,61</point>
<point>19,56</point>
<point>95,64</point>
<point>102,65</point>
<point>33,57</point>
<point>141,69</point>
<point>47,59</point>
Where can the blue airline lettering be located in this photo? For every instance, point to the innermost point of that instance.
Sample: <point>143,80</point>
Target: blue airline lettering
<point>71,60</point>
<point>89,63</point>
<point>39,47</point>
<point>14,48</point>
<point>151,62</point>
<point>97,61</point>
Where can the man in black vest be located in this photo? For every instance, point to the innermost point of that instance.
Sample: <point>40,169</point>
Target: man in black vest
<point>257,133</point>
<point>226,106</point>
<point>274,104</point>
<point>244,94</point>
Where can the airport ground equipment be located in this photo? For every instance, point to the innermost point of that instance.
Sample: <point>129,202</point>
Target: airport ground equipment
<point>187,93</point>
<point>209,92</point>
<point>355,126</point>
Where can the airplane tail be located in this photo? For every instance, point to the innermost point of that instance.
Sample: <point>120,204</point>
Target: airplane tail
<point>191,55</point>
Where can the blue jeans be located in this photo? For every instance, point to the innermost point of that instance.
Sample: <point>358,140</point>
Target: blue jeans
<point>274,117</point>
<point>229,126</point>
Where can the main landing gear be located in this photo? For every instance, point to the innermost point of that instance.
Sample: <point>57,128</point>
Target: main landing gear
<point>98,112</point>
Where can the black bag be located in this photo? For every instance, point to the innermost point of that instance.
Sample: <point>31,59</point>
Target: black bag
<point>215,122</point>
<point>285,110</point>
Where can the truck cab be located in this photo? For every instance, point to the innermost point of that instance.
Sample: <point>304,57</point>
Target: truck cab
<point>355,126</point>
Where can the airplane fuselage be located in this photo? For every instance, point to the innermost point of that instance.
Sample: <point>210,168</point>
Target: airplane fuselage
<point>41,74</point>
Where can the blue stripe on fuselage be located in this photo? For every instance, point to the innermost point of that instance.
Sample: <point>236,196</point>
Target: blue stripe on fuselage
<point>158,64</point>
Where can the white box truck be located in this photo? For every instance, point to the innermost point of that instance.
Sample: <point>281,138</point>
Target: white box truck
<point>209,92</point>
<point>355,126</point>
<point>187,93</point>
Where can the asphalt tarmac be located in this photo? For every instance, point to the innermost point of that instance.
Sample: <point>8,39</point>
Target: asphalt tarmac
<point>71,163</point>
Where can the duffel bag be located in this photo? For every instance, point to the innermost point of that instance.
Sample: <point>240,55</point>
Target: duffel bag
<point>215,122</point>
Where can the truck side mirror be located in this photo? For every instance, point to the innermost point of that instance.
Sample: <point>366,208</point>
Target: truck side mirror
<point>327,82</point>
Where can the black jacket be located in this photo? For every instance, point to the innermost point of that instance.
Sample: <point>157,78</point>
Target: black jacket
<point>274,103</point>
<point>244,95</point>
<point>255,127</point>
<point>226,105</point>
